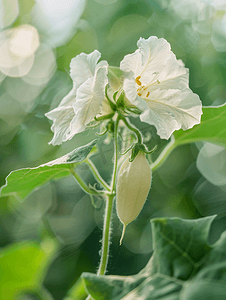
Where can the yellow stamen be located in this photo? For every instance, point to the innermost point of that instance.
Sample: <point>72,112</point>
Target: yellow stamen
<point>147,94</point>
<point>137,80</point>
<point>139,94</point>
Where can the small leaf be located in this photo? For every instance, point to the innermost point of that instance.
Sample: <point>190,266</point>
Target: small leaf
<point>21,182</point>
<point>183,266</point>
<point>23,267</point>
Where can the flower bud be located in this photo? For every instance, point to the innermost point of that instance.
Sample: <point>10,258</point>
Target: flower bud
<point>134,181</point>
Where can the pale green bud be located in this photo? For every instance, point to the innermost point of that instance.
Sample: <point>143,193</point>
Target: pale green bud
<point>133,185</point>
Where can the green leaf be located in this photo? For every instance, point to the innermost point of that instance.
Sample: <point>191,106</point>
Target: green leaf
<point>23,267</point>
<point>21,182</point>
<point>211,129</point>
<point>77,291</point>
<point>184,266</point>
<point>209,284</point>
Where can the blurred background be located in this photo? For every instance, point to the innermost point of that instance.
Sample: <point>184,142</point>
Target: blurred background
<point>38,39</point>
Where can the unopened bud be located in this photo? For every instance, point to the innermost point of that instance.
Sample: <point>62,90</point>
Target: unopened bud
<point>133,185</point>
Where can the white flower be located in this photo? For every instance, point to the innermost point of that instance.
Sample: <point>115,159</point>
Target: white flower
<point>157,83</point>
<point>84,101</point>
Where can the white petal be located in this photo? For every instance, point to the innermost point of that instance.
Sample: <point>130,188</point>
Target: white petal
<point>101,79</point>
<point>89,98</point>
<point>160,64</point>
<point>154,51</point>
<point>62,118</point>
<point>132,63</point>
<point>83,67</point>
<point>155,64</point>
<point>69,99</point>
<point>172,76</point>
<point>170,110</point>
<point>130,90</point>
<point>78,124</point>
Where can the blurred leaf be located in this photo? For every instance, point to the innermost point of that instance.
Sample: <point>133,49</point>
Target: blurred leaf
<point>21,182</point>
<point>183,264</point>
<point>211,163</point>
<point>209,199</point>
<point>211,129</point>
<point>23,267</point>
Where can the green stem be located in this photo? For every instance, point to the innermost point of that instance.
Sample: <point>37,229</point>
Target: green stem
<point>84,186</point>
<point>108,210</point>
<point>97,175</point>
<point>106,236</point>
<point>164,154</point>
<point>113,184</point>
<point>136,131</point>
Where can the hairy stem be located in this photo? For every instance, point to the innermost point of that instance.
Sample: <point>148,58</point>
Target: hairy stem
<point>106,236</point>
<point>113,183</point>
<point>108,210</point>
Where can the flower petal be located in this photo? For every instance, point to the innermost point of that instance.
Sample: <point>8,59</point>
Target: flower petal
<point>155,64</point>
<point>130,90</point>
<point>132,63</point>
<point>83,102</point>
<point>83,67</point>
<point>155,53</point>
<point>170,110</point>
<point>172,76</point>
<point>160,64</point>
<point>62,118</point>
<point>89,98</point>
<point>69,99</point>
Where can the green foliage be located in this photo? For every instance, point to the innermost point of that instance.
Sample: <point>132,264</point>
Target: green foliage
<point>21,182</point>
<point>184,266</point>
<point>77,291</point>
<point>211,129</point>
<point>23,267</point>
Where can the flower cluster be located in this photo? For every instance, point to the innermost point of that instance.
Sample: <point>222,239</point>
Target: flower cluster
<point>154,82</point>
